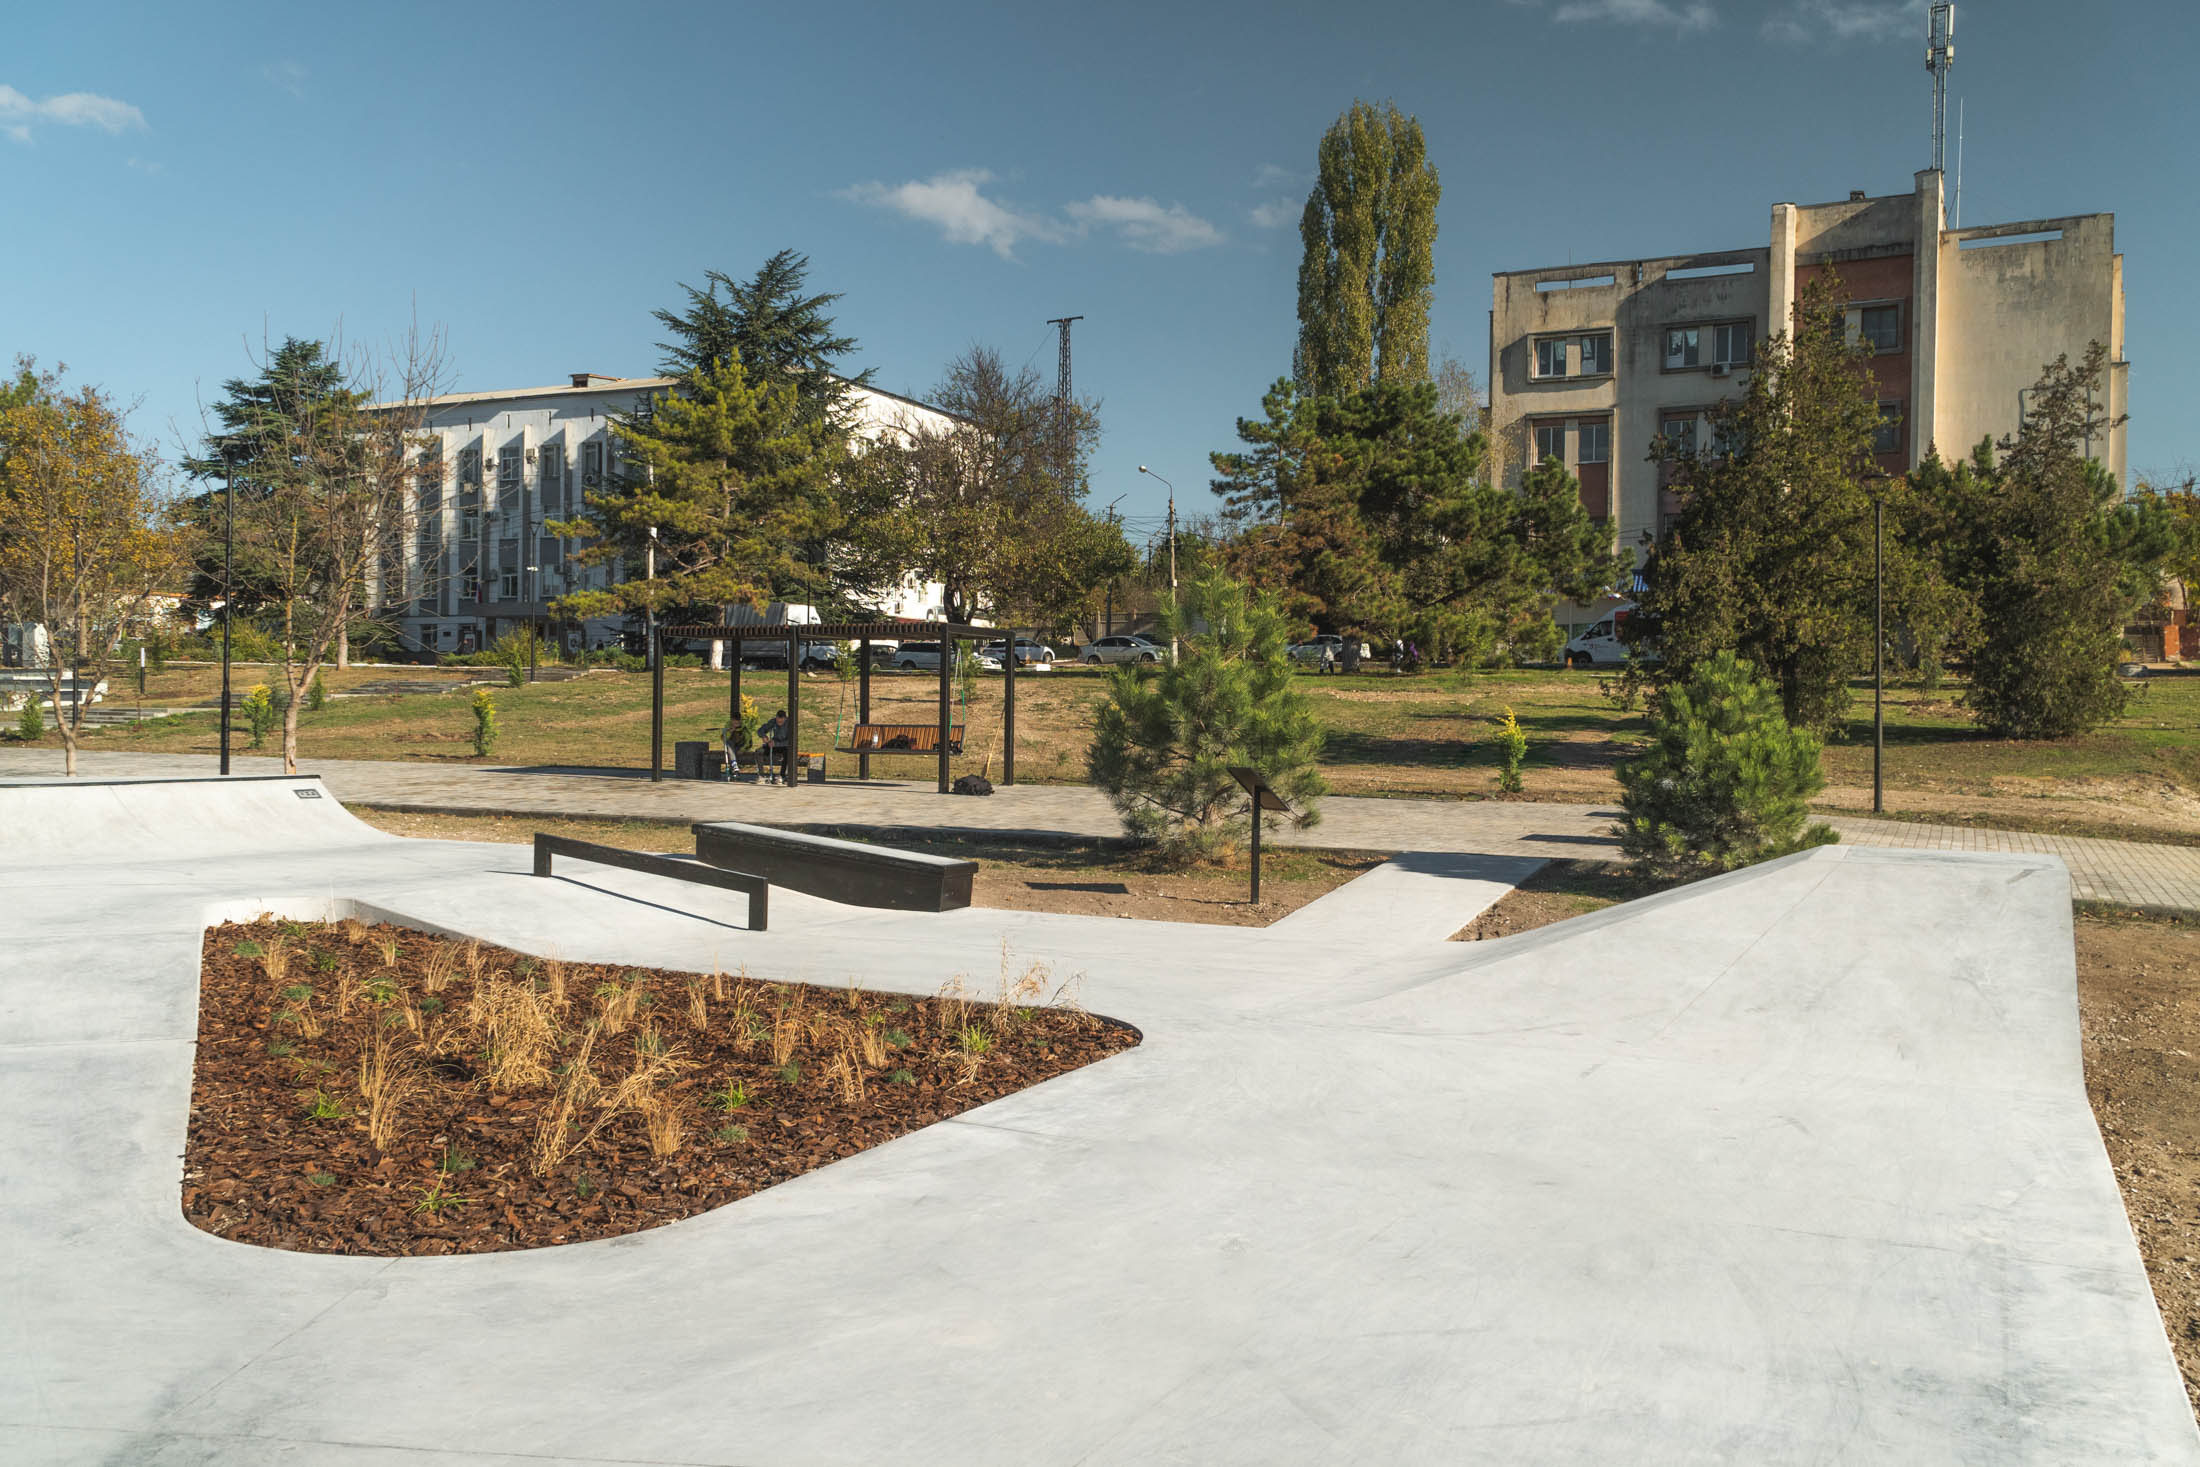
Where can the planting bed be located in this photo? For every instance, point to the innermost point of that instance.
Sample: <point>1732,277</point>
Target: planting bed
<point>376,1090</point>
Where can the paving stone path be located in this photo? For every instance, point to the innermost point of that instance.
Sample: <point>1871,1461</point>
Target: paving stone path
<point>2135,873</point>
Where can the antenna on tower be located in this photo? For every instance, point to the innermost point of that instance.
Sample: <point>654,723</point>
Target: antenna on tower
<point>1959,162</point>
<point>1940,56</point>
<point>1062,398</point>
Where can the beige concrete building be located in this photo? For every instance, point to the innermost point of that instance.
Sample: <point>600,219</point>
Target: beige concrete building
<point>1589,363</point>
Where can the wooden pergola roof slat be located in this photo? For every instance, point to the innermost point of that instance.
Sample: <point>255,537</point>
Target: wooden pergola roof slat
<point>834,631</point>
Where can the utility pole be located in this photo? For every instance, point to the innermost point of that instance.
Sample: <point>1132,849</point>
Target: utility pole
<point>1065,441</point>
<point>229,576</point>
<point>1172,545</point>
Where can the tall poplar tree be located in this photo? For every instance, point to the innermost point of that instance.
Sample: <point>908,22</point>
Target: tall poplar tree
<point>1366,278</point>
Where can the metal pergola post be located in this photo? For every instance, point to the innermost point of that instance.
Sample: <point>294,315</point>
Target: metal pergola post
<point>1008,713</point>
<point>863,702</point>
<point>733,694</point>
<point>794,707</point>
<point>656,706</point>
<point>947,711</point>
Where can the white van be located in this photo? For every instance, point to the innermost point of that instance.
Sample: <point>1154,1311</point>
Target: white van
<point>1599,645</point>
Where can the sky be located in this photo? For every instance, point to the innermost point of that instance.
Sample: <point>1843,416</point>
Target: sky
<point>184,183</point>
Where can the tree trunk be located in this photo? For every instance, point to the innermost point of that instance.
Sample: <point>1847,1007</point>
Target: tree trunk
<point>343,647</point>
<point>718,657</point>
<point>290,716</point>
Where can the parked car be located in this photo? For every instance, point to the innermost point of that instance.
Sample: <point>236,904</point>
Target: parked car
<point>925,657</point>
<point>1028,652</point>
<point>1122,649</point>
<point>774,654</point>
<point>1599,645</point>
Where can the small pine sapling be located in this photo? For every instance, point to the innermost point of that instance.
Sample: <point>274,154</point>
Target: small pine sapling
<point>485,724</point>
<point>259,713</point>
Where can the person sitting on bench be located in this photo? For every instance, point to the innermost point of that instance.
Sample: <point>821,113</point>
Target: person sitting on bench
<point>771,740</point>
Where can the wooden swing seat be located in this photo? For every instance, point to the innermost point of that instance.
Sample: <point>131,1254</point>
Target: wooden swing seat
<point>901,738</point>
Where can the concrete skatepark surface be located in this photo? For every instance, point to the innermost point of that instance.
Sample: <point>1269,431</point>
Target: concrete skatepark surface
<point>1795,1165</point>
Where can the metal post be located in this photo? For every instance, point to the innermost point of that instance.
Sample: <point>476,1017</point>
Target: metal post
<point>1008,713</point>
<point>656,709</point>
<point>733,696</point>
<point>1879,655</point>
<point>947,673</point>
<point>1256,850</point>
<point>229,593</point>
<point>794,706</point>
<point>863,702</point>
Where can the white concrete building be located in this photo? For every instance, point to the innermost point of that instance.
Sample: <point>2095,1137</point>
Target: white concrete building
<point>502,466</point>
<point>1591,363</point>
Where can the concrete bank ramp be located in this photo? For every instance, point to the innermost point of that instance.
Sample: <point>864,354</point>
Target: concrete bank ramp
<point>70,822</point>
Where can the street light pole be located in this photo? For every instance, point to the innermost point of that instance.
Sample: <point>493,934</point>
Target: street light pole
<point>229,576</point>
<point>1172,546</point>
<point>534,634</point>
<point>1879,654</point>
<point>649,573</point>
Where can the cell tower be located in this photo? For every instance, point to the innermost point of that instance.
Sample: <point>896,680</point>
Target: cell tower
<point>1940,56</point>
<point>1062,398</point>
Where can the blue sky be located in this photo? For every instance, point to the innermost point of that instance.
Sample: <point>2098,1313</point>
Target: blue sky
<point>535,179</point>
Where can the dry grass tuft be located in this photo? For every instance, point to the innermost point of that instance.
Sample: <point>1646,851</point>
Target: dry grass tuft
<point>952,1013</point>
<point>553,978</point>
<point>275,959</point>
<point>786,1038</point>
<point>512,1025</point>
<point>617,1002</point>
<point>349,990</point>
<point>559,1133</point>
<point>474,957</point>
<point>698,1006</point>
<point>717,984</point>
<point>661,1120</point>
<point>387,944</point>
<point>846,1076</point>
<point>872,1045</point>
<point>388,1078</point>
<point>441,967</point>
<point>355,931</point>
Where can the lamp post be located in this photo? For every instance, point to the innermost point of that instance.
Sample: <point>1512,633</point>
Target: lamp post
<point>1879,479</point>
<point>1172,546</point>
<point>649,573</point>
<point>229,575</point>
<point>534,633</point>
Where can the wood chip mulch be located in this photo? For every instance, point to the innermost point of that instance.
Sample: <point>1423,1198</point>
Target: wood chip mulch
<point>525,1102</point>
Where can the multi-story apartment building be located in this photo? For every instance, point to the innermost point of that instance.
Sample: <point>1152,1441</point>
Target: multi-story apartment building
<point>498,468</point>
<point>1590,363</point>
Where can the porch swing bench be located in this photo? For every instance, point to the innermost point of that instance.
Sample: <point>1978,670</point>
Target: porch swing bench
<point>901,738</point>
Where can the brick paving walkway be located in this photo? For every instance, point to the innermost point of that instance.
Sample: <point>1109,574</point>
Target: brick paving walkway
<point>2132,873</point>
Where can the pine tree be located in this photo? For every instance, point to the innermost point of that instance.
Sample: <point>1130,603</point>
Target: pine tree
<point>1371,512</point>
<point>1165,739</point>
<point>1771,557</point>
<point>738,482</point>
<point>1725,780</point>
<point>781,336</point>
<point>1368,271</point>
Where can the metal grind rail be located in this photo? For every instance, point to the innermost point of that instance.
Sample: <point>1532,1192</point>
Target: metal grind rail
<point>756,888</point>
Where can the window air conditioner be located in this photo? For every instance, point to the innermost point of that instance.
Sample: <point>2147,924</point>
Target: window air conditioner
<point>1719,369</point>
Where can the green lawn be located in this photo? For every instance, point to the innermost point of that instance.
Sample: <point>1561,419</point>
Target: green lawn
<point>1427,735</point>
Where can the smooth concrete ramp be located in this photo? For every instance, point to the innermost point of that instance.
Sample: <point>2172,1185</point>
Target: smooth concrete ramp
<point>1412,899</point>
<point>80,821</point>
<point>1791,1166</point>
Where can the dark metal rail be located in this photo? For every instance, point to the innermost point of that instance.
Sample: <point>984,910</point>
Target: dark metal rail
<point>756,888</point>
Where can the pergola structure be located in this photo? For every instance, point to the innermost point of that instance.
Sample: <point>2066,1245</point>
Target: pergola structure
<point>862,633</point>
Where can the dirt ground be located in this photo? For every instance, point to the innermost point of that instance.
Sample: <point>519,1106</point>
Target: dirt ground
<point>1088,878</point>
<point>2139,1018</point>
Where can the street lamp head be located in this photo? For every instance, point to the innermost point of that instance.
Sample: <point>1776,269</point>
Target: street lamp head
<point>1144,470</point>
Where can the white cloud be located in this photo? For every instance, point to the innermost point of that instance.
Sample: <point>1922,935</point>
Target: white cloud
<point>289,76</point>
<point>70,109</point>
<point>1681,15</point>
<point>1847,20</point>
<point>1268,175</point>
<point>955,202</point>
<point>1145,224</point>
<point>1275,213</point>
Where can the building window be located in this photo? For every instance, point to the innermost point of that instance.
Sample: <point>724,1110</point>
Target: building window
<point>469,466</point>
<point>508,586</point>
<point>1879,325</point>
<point>1596,354</point>
<point>508,466</point>
<point>1550,357</point>
<point>553,476</point>
<point>1593,441</point>
<point>1731,344</point>
<point>1888,437</point>
<point>1683,347</point>
<point>1550,442</point>
<point>1679,434</point>
<point>591,464</point>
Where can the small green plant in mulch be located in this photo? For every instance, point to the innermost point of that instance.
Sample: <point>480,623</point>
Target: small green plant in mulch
<point>322,1179</point>
<point>732,1096</point>
<point>729,1134</point>
<point>454,1160</point>
<point>791,1072</point>
<point>250,950</point>
<point>1512,753</point>
<point>281,1048</point>
<point>298,992</point>
<point>437,1200</point>
<point>485,724</point>
<point>897,1038</point>
<point>325,1107</point>
<point>584,1186</point>
<point>902,1077</point>
<point>974,1040</point>
<point>325,962</point>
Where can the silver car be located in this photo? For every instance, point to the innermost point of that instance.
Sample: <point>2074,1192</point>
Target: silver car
<point>1121,649</point>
